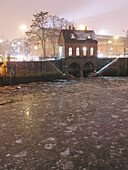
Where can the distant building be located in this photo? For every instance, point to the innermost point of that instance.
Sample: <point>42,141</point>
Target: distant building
<point>19,46</point>
<point>112,46</point>
<point>4,49</point>
<point>108,46</point>
<point>36,48</point>
<point>50,43</point>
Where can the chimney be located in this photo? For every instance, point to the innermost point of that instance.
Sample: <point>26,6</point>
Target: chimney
<point>69,27</point>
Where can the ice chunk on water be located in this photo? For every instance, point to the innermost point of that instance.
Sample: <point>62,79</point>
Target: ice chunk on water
<point>19,141</point>
<point>21,154</point>
<point>66,152</point>
<point>49,146</point>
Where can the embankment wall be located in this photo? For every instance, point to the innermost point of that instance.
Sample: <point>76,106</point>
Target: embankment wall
<point>25,72</point>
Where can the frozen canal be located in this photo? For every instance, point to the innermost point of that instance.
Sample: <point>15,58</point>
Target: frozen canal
<point>75,125</point>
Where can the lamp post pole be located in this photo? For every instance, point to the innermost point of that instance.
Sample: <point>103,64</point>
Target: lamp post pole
<point>126,46</point>
<point>1,50</point>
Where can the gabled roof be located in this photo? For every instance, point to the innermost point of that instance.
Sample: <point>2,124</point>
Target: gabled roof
<point>78,35</point>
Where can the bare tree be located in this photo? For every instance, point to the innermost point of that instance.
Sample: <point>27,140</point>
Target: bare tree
<point>64,24</point>
<point>38,29</point>
<point>56,24</point>
<point>53,31</point>
<point>45,26</point>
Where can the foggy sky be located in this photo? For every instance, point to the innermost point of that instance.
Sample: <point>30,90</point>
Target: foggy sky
<point>110,15</point>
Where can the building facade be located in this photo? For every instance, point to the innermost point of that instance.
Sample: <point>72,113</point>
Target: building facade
<point>19,47</point>
<point>36,48</point>
<point>79,48</point>
<point>108,46</point>
<point>112,46</point>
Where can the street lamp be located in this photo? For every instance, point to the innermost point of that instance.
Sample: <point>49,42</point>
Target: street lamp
<point>1,49</point>
<point>1,41</point>
<point>23,28</point>
<point>82,27</point>
<point>126,46</point>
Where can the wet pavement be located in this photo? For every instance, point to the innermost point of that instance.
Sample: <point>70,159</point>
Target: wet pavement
<point>77,125</point>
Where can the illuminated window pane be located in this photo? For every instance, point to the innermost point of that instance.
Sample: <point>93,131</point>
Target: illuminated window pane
<point>70,51</point>
<point>84,51</point>
<point>91,51</point>
<point>77,51</point>
<point>109,42</point>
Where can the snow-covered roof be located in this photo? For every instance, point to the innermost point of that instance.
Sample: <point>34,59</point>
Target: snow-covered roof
<point>78,35</point>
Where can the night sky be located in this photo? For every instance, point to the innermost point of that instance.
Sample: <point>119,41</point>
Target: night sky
<point>108,15</point>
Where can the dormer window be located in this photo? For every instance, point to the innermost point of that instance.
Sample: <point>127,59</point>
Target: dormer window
<point>73,36</point>
<point>89,37</point>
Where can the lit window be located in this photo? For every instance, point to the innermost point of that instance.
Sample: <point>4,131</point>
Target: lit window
<point>35,47</point>
<point>77,51</point>
<point>84,51</point>
<point>91,51</point>
<point>109,42</point>
<point>70,51</point>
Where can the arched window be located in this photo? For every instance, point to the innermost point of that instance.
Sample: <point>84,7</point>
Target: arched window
<point>77,51</point>
<point>91,51</point>
<point>84,51</point>
<point>70,51</point>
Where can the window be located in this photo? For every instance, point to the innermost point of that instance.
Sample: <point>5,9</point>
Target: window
<point>84,51</point>
<point>89,37</point>
<point>70,51</point>
<point>77,51</point>
<point>91,51</point>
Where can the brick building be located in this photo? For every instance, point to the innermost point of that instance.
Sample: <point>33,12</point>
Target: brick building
<point>79,48</point>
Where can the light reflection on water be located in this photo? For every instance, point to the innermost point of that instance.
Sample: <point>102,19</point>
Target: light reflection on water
<point>27,113</point>
<point>60,102</point>
<point>58,126</point>
<point>114,78</point>
<point>63,82</point>
<point>33,105</point>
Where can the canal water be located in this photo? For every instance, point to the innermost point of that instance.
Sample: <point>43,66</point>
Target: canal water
<point>78,124</point>
<point>115,78</point>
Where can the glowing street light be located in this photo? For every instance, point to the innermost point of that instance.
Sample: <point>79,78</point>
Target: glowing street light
<point>1,41</point>
<point>23,27</point>
<point>116,37</point>
<point>82,27</point>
